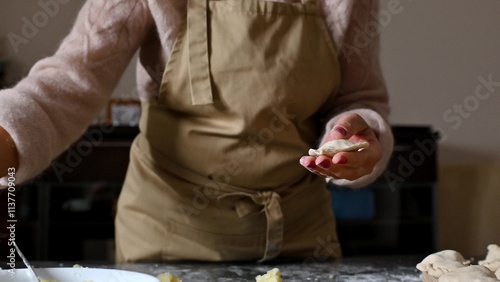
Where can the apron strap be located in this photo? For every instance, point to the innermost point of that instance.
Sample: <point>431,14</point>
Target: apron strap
<point>199,66</point>
<point>274,216</point>
<point>274,234</point>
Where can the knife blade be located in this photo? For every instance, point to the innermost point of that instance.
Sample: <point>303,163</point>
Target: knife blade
<point>25,261</point>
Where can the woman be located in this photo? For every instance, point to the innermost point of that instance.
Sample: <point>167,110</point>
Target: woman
<point>234,93</point>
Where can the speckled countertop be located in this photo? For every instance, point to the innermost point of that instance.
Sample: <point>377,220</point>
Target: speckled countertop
<point>373,269</point>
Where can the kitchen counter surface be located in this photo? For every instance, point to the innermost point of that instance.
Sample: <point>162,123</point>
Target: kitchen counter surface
<point>373,269</point>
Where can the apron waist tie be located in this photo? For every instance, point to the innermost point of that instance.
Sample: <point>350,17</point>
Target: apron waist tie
<point>274,217</point>
<point>246,202</point>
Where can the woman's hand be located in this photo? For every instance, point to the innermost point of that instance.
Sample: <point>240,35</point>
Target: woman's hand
<point>347,165</point>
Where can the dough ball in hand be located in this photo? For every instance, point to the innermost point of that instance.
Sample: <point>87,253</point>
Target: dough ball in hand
<point>340,145</point>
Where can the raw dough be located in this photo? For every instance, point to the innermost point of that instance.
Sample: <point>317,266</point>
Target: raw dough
<point>472,273</point>
<point>492,260</point>
<point>272,275</point>
<point>498,274</point>
<point>168,277</point>
<point>340,145</point>
<point>442,262</point>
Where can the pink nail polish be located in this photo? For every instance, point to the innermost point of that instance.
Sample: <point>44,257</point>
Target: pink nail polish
<point>341,160</point>
<point>307,163</point>
<point>324,164</point>
<point>311,165</point>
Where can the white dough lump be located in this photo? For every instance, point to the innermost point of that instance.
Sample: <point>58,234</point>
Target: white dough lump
<point>442,262</point>
<point>450,266</point>
<point>492,260</point>
<point>273,275</point>
<point>472,273</point>
<point>340,145</point>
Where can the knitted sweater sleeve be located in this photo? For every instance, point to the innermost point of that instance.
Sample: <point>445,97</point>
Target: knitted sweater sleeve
<point>362,89</point>
<point>52,106</point>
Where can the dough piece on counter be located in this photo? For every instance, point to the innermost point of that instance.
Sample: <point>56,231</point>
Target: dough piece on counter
<point>442,262</point>
<point>340,145</point>
<point>168,277</point>
<point>472,273</point>
<point>492,260</point>
<point>498,274</point>
<point>272,275</point>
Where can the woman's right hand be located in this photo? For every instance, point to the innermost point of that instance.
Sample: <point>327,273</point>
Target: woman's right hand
<point>348,165</point>
<point>9,157</point>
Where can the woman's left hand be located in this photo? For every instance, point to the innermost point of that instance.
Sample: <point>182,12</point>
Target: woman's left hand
<point>348,165</point>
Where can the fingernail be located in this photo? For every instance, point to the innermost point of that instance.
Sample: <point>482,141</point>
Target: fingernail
<point>340,160</point>
<point>324,164</point>
<point>308,164</point>
<point>311,165</point>
<point>341,130</point>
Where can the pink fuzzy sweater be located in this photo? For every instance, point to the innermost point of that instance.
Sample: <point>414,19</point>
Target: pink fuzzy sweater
<point>52,106</point>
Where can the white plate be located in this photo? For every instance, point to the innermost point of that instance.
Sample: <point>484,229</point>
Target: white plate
<point>73,274</point>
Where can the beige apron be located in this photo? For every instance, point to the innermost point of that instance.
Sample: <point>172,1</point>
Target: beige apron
<point>214,174</point>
